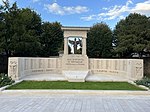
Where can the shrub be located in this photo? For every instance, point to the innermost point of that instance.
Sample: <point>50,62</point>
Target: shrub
<point>144,81</point>
<point>147,75</point>
<point>5,80</point>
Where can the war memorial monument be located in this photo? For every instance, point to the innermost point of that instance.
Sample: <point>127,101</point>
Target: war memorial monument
<point>74,66</point>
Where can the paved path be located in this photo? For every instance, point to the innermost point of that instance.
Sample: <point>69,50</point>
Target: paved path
<point>12,102</point>
<point>56,77</point>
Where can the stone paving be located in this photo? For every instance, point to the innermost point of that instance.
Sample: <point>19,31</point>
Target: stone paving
<point>19,102</point>
<point>56,77</point>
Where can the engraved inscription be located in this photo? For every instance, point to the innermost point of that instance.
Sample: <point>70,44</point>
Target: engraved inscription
<point>124,66</point>
<point>113,72</point>
<point>75,62</point>
<point>101,70</point>
<point>37,70</point>
<point>104,71</point>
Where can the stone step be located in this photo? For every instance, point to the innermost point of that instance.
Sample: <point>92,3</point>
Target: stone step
<point>75,76</point>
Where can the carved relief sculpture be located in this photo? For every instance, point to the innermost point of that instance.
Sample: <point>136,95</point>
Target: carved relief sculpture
<point>13,69</point>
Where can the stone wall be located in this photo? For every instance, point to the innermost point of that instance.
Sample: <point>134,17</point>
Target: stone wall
<point>75,62</point>
<point>128,68</point>
<point>21,67</point>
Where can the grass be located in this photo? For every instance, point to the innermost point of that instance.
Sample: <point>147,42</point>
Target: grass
<point>75,85</point>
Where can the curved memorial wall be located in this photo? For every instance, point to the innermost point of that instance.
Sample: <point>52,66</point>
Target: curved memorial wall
<point>128,68</point>
<point>19,67</point>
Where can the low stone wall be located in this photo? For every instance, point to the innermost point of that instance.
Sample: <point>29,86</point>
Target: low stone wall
<point>19,67</point>
<point>128,68</point>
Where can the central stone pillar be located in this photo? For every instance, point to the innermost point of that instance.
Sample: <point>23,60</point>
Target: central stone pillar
<point>75,62</point>
<point>83,46</point>
<point>75,66</point>
<point>65,45</point>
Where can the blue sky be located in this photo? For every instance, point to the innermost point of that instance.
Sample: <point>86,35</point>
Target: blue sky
<point>85,12</point>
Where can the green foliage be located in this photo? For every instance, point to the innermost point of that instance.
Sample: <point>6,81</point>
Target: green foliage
<point>132,35</point>
<point>51,38</point>
<point>26,41</point>
<point>147,74</point>
<point>5,80</point>
<point>7,14</point>
<point>75,85</point>
<point>23,34</point>
<point>145,81</point>
<point>19,31</point>
<point>99,41</point>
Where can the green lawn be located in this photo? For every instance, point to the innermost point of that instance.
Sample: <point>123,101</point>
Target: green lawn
<point>75,85</point>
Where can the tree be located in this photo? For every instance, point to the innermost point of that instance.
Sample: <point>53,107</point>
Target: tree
<point>131,35</point>
<point>99,41</point>
<point>25,41</point>
<point>5,26</point>
<point>19,31</point>
<point>51,39</point>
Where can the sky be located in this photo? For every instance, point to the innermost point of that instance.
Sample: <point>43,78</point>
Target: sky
<point>85,13</point>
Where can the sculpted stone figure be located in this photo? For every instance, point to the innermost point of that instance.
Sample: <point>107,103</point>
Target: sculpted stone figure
<point>75,43</point>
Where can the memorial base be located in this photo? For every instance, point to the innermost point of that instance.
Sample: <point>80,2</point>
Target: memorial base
<point>75,76</point>
<point>75,67</point>
<point>75,62</point>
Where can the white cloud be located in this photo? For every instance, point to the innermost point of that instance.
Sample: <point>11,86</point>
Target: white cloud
<point>1,2</point>
<point>59,10</point>
<point>117,12</point>
<point>89,18</point>
<point>143,8</point>
<point>112,12</point>
<point>54,8</point>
